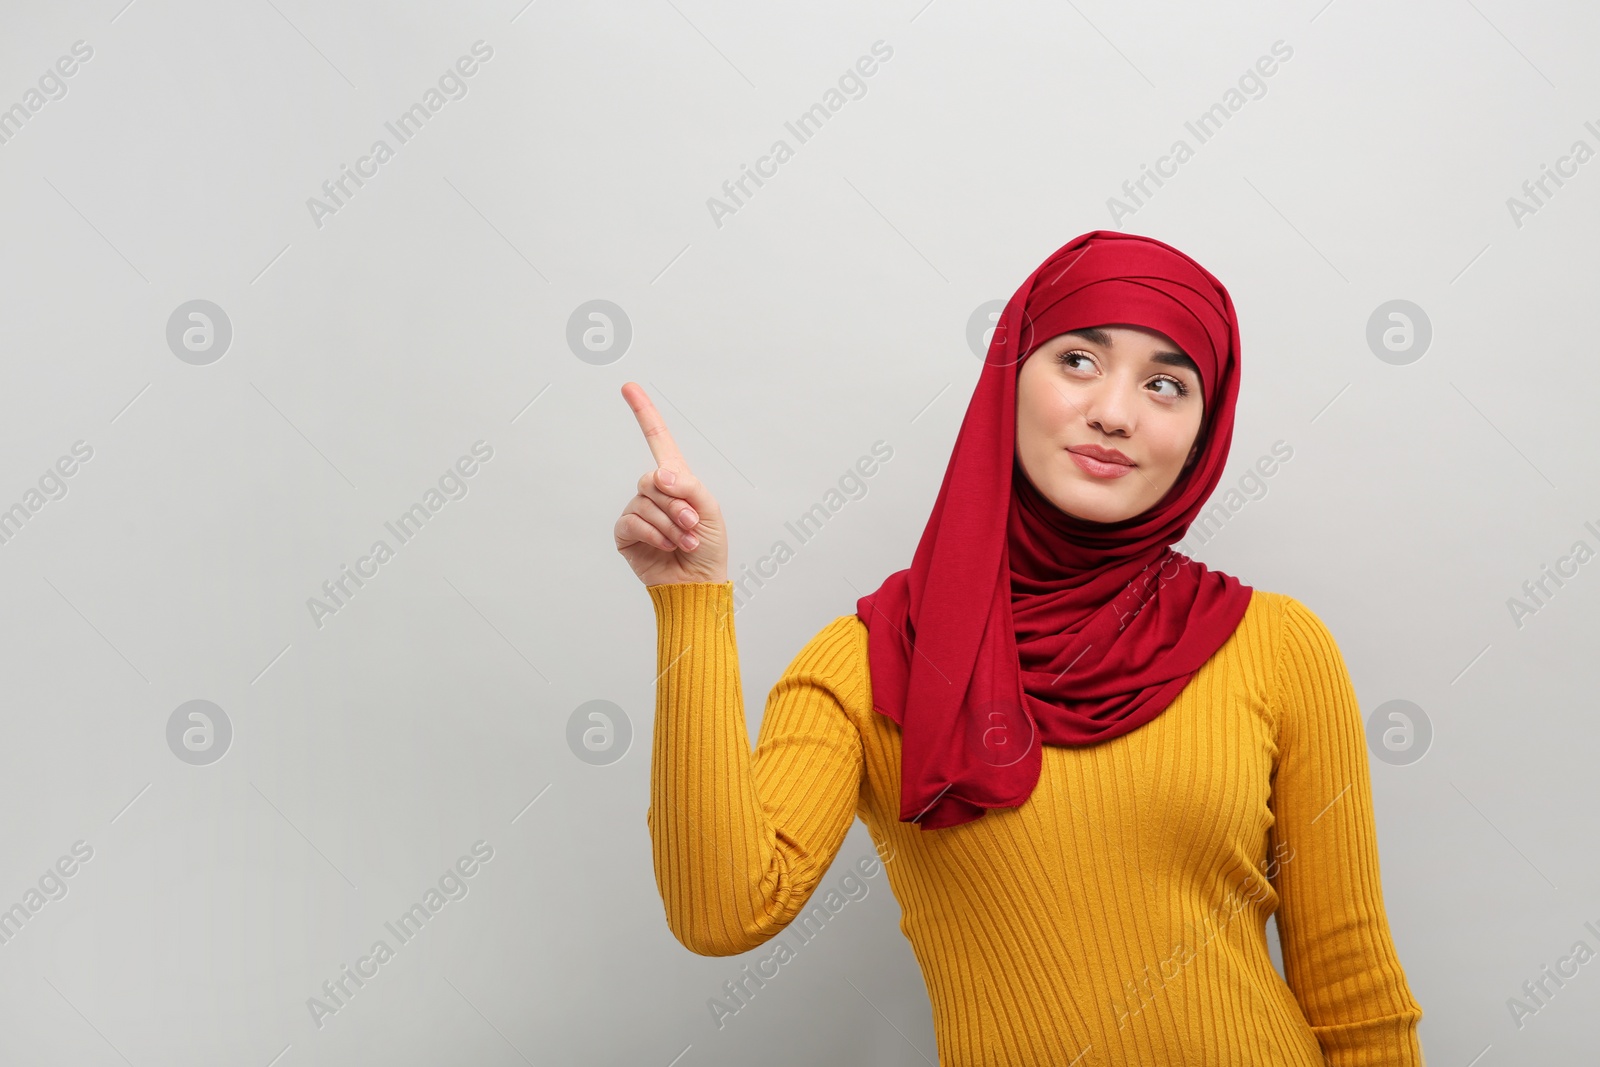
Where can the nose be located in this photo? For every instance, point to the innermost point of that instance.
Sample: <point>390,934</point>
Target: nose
<point>1108,408</point>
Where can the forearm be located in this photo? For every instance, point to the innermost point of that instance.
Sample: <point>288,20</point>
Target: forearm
<point>706,824</point>
<point>725,878</point>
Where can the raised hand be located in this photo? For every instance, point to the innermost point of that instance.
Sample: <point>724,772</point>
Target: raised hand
<point>672,530</point>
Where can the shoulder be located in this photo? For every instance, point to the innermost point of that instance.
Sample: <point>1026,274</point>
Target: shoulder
<point>841,631</point>
<point>1302,632</point>
<point>835,656</point>
<point>1308,671</point>
<point>1283,619</point>
<point>1294,642</point>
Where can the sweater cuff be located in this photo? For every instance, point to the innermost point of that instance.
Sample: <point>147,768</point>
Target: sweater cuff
<point>693,607</point>
<point>1391,1039</point>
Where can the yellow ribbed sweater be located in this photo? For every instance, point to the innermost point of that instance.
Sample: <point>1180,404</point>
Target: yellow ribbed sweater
<point>1118,915</point>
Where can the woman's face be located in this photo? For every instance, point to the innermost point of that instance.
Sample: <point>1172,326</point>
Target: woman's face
<point>1125,389</point>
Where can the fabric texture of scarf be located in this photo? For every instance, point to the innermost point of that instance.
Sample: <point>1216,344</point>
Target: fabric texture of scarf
<point>1018,625</point>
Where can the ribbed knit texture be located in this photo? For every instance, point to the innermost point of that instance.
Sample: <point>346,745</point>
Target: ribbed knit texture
<point>1117,916</point>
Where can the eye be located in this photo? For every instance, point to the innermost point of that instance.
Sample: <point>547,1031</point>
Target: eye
<point>1183,390</point>
<point>1070,357</point>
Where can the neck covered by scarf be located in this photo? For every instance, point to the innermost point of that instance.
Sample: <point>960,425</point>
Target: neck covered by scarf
<point>1018,625</point>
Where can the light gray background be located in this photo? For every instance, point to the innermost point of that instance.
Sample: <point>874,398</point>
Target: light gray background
<point>831,311</point>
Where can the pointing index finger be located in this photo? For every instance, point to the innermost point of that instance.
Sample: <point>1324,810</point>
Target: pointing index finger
<point>656,434</point>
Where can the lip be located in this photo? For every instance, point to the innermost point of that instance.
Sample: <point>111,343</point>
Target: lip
<point>1100,462</point>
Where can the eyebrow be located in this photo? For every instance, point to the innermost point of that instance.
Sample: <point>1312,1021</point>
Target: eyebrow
<point>1171,359</point>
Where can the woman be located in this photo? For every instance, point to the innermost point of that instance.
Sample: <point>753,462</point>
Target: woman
<point>1095,766</point>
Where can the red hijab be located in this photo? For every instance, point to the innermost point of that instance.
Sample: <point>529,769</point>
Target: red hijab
<point>1017,624</point>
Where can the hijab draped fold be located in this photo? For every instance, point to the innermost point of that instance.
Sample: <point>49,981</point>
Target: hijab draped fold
<point>1018,625</point>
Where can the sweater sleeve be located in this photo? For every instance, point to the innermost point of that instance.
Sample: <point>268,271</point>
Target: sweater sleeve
<point>740,841</point>
<point>1338,955</point>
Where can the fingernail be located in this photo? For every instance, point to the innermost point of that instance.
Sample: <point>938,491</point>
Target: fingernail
<point>690,541</point>
<point>688,517</point>
<point>667,477</point>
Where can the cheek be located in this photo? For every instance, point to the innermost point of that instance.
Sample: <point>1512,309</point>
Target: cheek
<point>1038,423</point>
<point>1027,401</point>
<point>1177,441</point>
<point>1041,402</point>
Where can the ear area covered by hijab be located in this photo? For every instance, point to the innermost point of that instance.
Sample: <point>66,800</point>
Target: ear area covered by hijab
<point>1018,625</point>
